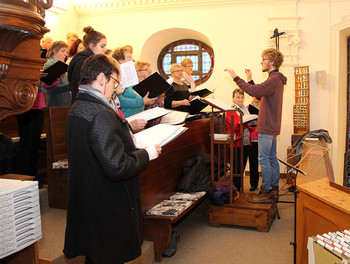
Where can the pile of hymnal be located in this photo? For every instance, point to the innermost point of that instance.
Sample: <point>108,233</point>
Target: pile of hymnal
<point>20,222</point>
<point>187,196</point>
<point>176,204</point>
<point>169,208</point>
<point>336,242</point>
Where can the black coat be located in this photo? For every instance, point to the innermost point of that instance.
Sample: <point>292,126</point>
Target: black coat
<point>74,70</point>
<point>104,206</point>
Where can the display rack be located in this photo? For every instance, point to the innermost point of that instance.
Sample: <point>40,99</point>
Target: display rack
<point>301,108</point>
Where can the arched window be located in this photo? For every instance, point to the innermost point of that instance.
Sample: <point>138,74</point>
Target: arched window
<point>200,53</point>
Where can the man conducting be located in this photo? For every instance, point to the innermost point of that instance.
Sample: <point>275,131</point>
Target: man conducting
<point>270,92</point>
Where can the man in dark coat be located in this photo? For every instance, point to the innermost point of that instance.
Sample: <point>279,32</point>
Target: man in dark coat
<point>104,206</point>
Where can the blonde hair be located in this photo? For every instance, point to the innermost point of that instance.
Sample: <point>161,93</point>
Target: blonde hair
<point>71,34</point>
<point>186,61</point>
<point>273,55</point>
<point>140,64</point>
<point>174,66</point>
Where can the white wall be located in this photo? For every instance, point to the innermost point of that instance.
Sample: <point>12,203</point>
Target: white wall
<point>237,34</point>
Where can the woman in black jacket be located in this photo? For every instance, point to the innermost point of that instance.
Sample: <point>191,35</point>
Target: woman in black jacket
<point>95,43</point>
<point>104,205</point>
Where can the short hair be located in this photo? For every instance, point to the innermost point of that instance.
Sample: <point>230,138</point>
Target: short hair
<point>92,36</point>
<point>108,52</point>
<point>140,64</point>
<point>186,61</point>
<point>174,66</point>
<point>74,48</point>
<point>237,90</point>
<point>273,55</point>
<point>71,34</point>
<point>118,53</point>
<point>55,47</point>
<point>96,64</point>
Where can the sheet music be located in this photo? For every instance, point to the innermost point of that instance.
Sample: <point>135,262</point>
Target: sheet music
<point>174,117</point>
<point>128,73</point>
<point>159,134</point>
<point>248,118</point>
<point>217,104</point>
<point>149,114</point>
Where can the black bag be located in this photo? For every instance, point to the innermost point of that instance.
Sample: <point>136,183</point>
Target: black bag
<point>196,174</point>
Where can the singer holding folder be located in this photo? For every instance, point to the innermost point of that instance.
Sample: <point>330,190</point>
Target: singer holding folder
<point>131,103</point>
<point>178,97</point>
<point>104,216</point>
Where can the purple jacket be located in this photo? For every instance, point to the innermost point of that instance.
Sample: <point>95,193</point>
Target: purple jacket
<point>271,94</point>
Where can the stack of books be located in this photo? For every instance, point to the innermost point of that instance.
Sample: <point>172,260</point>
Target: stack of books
<point>20,221</point>
<point>176,204</point>
<point>169,208</point>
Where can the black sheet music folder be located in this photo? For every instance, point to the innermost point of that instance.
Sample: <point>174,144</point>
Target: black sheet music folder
<point>54,72</point>
<point>154,84</point>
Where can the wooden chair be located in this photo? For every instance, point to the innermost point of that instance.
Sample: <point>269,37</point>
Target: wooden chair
<point>57,156</point>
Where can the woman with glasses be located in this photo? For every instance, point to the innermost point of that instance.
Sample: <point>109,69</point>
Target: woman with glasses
<point>57,93</point>
<point>178,97</point>
<point>104,217</point>
<point>131,102</point>
<point>143,70</point>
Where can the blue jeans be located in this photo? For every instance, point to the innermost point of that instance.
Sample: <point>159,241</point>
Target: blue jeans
<point>270,168</point>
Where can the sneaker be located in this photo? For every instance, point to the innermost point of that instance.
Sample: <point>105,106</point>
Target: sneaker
<point>252,189</point>
<point>263,197</point>
<point>275,193</point>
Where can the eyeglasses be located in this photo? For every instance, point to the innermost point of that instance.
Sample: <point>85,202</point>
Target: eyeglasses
<point>178,71</point>
<point>264,59</point>
<point>149,70</point>
<point>116,82</point>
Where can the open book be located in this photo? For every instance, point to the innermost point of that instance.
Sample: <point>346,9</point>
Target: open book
<point>160,134</point>
<point>249,118</point>
<point>202,92</point>
<point>216,103</point>
<point>154,84</point>
<point>174,117</point>
<point>253,110</point>
<point>128,73</point>
<point>54,72</point>
<point>149,114</point>
<point>197,105</point>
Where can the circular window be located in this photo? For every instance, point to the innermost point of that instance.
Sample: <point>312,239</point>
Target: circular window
<point>200,53</point>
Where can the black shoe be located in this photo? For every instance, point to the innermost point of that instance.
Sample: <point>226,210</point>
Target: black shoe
<point>172,247</point>
<point>252,189</point>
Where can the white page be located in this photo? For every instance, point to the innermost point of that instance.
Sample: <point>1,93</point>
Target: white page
<point>247,118</point>
<point>174,117</point>
<point>149,114</point>
<point>128,73</point>
<point>158,134</point>
<point>218,104</point>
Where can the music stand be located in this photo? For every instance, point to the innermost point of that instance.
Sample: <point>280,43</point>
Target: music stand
<point>293,171</point>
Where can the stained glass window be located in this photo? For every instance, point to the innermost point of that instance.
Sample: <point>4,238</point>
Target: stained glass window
<point>200,53</point>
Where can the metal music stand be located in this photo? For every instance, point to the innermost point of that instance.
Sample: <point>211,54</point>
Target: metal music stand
<point>293,171</point>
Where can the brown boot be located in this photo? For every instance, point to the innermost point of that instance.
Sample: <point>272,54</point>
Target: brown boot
<point>275,193</point>
<point>263,197</point>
